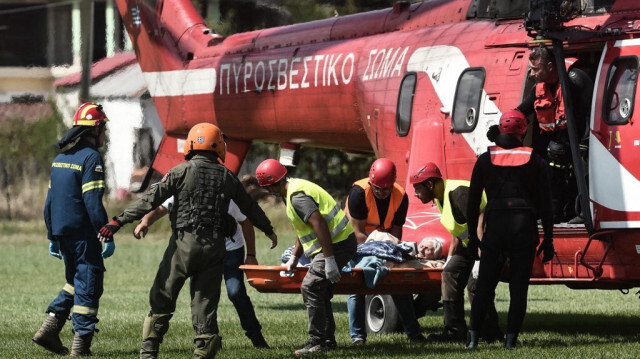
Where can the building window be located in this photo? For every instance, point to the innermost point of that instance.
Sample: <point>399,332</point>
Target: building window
<point>466,104</point>
<point>405,104</point>
<point>620,92</point>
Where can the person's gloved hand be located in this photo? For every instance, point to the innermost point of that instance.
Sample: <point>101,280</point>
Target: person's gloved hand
<point>473,246</point>
<point>475,270</point>
<point>331,269</point>
<point>54,249</point>
<point>109,229</point>
<point>546,247</point>
<point>109,248</point>
<point>274,240</point>
<point>291,263</point>
<point>446,262</point>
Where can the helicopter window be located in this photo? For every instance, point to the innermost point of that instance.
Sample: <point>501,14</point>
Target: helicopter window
<point>466,103</point>
<point>405,104</point>
<point>621,90</point>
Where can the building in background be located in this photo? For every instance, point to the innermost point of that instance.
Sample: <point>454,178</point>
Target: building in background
<point>40,42</point>
<point>40,63</point>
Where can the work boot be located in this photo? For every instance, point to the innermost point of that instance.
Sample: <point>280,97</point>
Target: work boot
<point>418,339</point>
<point>81,346</point>
<point>48,336</point>
<point>259,342</point>
<point>493,335</point>
<point>510,342</point>
<point>149,348</point>
<point>577,220</point>
<point>154,328</point>
<point>473,340</point>
<point>331,344</point>
<point>207,346</point>
<point>312,347</point>
<point>358,341</point>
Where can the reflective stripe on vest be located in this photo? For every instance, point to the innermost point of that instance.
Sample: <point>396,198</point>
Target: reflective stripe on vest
<point>549,107</point>
<point>373,216</point>
<point>510,157</point>
<point>337,221</point>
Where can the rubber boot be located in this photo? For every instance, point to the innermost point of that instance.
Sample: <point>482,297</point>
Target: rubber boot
<point>81,346</point>
<point>474,335</point>
<point>511,340</point>
<point>149,348</point>
<point>48,336</point>
<point>207,345</point>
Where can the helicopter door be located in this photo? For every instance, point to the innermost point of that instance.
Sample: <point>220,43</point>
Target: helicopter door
<point>614,142</point>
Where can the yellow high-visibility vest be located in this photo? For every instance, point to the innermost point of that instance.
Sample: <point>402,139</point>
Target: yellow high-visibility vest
<point>459,230</point>
<point>339,226</point>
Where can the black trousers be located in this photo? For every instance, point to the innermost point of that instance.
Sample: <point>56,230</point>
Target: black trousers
<point>511,234</point>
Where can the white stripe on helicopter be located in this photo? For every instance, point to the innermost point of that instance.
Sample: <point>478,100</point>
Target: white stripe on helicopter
<point>443,65</point>
<point>611,184</point>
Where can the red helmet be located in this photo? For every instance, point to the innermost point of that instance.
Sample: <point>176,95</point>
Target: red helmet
<point>429,170</point>
<point>89,114</point>
<point>270,172</point>
<point>513,122</point>
<point>382,173</point>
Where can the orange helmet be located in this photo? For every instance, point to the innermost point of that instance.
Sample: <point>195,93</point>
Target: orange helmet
<point>206,137</point>
<point>429,170</point>
<point>514,122</point>
<point>89,114</point>
<point>270,172</point>
<point>382,173</point>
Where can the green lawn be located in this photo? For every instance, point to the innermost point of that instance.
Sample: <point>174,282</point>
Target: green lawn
<point>561,323</point>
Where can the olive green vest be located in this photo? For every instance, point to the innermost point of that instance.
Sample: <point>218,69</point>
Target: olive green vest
<point>202,207</point>
<point>339,225</point>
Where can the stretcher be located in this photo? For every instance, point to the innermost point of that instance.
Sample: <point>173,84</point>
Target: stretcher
<point>275,279</point>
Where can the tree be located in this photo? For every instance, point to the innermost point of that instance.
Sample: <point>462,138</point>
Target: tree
<point>247,15</point>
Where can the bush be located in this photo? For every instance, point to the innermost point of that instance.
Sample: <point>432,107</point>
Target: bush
<point>26,152</point>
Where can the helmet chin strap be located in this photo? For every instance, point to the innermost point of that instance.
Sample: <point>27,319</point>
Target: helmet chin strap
<point>95,134</point>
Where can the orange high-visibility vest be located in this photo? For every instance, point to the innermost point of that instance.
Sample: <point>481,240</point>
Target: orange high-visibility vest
<point>373,217</point>
<point>510,157</point>
<point>549,107</point>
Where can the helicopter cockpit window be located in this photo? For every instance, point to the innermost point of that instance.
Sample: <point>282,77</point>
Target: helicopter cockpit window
<point>620,92</point>
<point>405,104</point>
<point>466,104</point>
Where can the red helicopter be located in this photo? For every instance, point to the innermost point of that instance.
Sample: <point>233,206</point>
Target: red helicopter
<point>414,83</point>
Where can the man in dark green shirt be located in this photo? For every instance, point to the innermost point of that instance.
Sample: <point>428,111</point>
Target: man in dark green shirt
<point>202,189</point>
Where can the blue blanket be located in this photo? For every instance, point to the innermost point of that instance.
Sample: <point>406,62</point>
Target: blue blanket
<point>384,250</point>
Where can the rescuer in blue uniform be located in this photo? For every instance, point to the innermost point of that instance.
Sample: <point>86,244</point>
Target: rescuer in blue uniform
<point>74,214</point>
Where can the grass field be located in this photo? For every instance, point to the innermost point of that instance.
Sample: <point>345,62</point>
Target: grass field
<point>561,323</point>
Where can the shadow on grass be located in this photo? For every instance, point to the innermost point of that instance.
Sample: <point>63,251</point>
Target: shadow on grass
<point>395,348</point>
<point>337,307</point>
<point>605,326</point>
